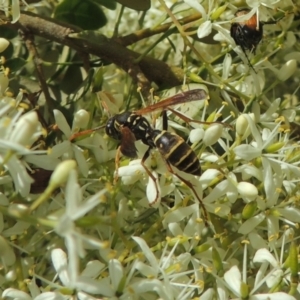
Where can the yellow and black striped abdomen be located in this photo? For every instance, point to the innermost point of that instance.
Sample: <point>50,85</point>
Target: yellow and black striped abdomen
<point>177,152</point>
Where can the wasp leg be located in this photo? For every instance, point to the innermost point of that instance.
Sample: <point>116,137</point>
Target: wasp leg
<point>165,119</point>
<point>146,155</point>
<point>117,164</point>
<point>250,65</point>
<point>205,214</point>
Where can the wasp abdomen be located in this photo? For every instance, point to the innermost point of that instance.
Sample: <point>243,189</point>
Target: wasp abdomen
<point>177,152</point>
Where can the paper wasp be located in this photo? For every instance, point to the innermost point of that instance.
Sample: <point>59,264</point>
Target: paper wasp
<point>128,127</point>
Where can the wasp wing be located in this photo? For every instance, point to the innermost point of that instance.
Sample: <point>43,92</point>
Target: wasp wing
<point>127,143</point>
<point>183,97</point>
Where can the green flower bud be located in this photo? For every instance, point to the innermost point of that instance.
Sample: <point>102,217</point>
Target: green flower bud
<point>61,173</point>
<point>249,210</point>
<point>274,147</point>
<point>244,290</point>
<point>293,259</point>
<point>217,261</point>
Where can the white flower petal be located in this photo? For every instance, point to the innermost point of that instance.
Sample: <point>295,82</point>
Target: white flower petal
<point>256,241</point>
<point>195,4</point>
<point>275,278</point>
<point>60,264</point>
<point>92,286</point>
<point>81,160</point>
<point>153,191</point>
<point>15,10</point>
<point>290,213</point>
<point>22,179</point>
<point>84,296</point>
<point>93,269</point>
<point>247,152</point>
<point>51,296</point>
<point>250,224</point>
<point>264,255</point>
<point>152,285</point>
<point>62,123</point>
<point>180,213</point>
<point>226,67</point>
<point>15,294</point>
<point>274,296</point>
<point>45,162</point>
<point>145,270</point>
<point>204,29</point>
<point>115,272</point>
<point>234,280</point>
<point>102,287</point>
<point>146,251</point>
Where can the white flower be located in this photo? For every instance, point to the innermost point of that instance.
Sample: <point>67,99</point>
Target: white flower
<point>237,281</point>
<point>67,149</point>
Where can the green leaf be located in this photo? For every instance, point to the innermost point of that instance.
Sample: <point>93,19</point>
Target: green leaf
<point>136,4</point>
<point>8,33</point>
<point>15,64</point>
<point>84,14</point>
<point>110,4</point>
<point>72,80</point>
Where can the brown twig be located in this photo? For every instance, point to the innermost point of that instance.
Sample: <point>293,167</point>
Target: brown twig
<point>109,49</point>
<point>148,32</point>
<point>28,38</point>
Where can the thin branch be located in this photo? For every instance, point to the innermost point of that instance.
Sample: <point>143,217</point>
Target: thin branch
<point>148,32</point>
<point>108,49</point>
<point>28,38</point>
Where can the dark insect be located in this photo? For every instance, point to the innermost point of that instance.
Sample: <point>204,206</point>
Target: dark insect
<point>41,179</point>
<point>129,127</point>
<point>247,34</point>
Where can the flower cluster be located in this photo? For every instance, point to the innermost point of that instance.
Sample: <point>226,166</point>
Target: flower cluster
<point>158,232</point>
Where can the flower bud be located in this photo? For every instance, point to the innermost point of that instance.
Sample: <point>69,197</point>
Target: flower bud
<point>287,70</point>
<point>249,210</point>
<point>244,290</point>
<point>202,248</point>
<point>217,261</point>
<point>247,190</point>
<point>293,259</point>
<point>242,126</point>
<point>24,129</point>
<point>218,12</point>
<point>61,173</point>
<point>3,44</point>
<point>212,134</point>
<point>274,147</point>
<point>11,275</point>
<point>196,135</point>
<point>81,119</point>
